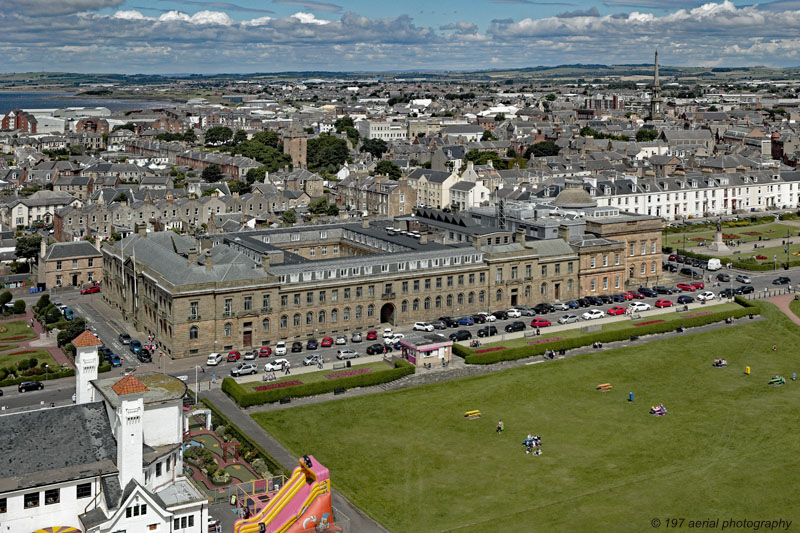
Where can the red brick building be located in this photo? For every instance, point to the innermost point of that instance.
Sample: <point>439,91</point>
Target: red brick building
<point>92,125</point>
<point>19,120</point>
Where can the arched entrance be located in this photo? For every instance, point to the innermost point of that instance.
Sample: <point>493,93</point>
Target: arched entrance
<point>387,314</point>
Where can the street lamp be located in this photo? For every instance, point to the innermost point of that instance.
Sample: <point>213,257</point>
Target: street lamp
<point>46,368</point>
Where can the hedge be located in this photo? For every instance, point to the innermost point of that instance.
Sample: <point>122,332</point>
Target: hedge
<point>604,336</point>
<point>38,377</point>
<point>274,466</point>
<point>247,397</point>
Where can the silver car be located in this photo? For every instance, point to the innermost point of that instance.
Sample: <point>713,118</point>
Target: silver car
<point>568,319</point>
<point>741,278</point>
<point>561,307</point>
<point>341,339</point>
<point>346,354</point>
<point>244,369</point>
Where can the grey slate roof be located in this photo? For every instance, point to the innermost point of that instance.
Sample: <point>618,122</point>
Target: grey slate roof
<point>69,250</point>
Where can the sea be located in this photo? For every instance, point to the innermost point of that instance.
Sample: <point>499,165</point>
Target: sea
<point>10,101</point>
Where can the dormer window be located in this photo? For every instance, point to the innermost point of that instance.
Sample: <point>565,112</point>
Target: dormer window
<point>755,179</point>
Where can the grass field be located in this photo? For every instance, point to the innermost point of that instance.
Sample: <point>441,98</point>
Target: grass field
<point>727,449</point>
<point>311,377</point>
<point>744,233</point>
<point>12,333</point>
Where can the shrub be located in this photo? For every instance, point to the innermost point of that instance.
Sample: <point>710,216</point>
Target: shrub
<point>19,307</point>
<point>610,336</point>
<point>23,365</point>
<point>247,398</point>
<point>33,362</point>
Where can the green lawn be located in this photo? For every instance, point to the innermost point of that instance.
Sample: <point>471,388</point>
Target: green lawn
<point>311,377</point>
<point>727,449</point>
<point>13,333</point>
<point>766,231</point>
<point>619,324</point>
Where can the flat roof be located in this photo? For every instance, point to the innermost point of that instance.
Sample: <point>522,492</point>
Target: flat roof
<point>161,388</point>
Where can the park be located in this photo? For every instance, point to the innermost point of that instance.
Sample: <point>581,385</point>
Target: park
<point>727,446</point>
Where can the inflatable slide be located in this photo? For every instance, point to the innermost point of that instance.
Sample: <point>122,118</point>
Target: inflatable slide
<point>302,504</point>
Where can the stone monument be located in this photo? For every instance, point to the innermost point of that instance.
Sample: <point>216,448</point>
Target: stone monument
<point>718,245</point>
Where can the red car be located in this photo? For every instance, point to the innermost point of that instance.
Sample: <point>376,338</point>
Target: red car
<point>327,342</point>
<point>265,351</point>
<point>233,356</point>
<point>637,295</point>
<point>540,323</point>
<point>685,286</point>
<point>698,285</point>
<point>663,303</point>
<point>372,335</point>
<point>616,310</point>
<point>91,290</point>
<point>627,296</point>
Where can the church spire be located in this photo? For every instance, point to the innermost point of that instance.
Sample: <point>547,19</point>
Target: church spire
<point>656,111</point>
<point>655,74</point>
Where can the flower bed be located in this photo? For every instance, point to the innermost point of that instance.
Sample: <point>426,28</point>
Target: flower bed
<point>279,385</point>
<point>22,352</point>
<point>761,257</point>
<point>542,341</point>
<point>485,350</point>
<point>648,322</point>
<point>699,314</point>
<point>15,338</point>
<point>729,236</point>
<point>348,373</point>
<point>752,232</point>
<point>700,239</point>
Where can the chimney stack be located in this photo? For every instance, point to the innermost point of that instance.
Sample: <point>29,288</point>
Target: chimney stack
<point>43,247</point>
<point>192,256</point>
<point>365,222</point>
<point>423,239</point>
<point>265,262</point>
<point>209,263</point>
<point>521,236</point>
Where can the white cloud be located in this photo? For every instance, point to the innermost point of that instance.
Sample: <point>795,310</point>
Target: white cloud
<point>130,14</point>
<point>309,18</point>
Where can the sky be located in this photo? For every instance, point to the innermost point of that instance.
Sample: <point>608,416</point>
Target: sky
<point>245,36</point>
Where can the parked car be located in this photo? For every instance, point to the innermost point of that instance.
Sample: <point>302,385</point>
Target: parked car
<point>670,267</point>
<point>543,308</point>
<point>500,315</point>
<point>488,316</point>
<point>626,296</point>
<point>124,338</point>
<point>617,298</point>
<point>781,280</point>
<point>683,287</point>
<point>617,310</point>
<point>723,277</point>
<point>144,356</point>
<point>116,361</point>
<point>387,332</point>
<point>91,290</point>
<point>461,335</point>
<point>698,285</point>
<point>327,342</point>
<point>311,344</point>
<point>689,272</point>
<point>422,326</point>
<point>376,348</point>
<point>540,323</point>
<point>466,321</point>
<point>648,292</point>
<point>233,356</point>
<point>742,278</point>
<point>636,295</point>
<point>593,314</point>
<point>372,335</point>
<point>312,359</point>
<point>297,347</point>
<point>250,355</point>
<point>673,257</point>
<point>214,359</point>
<point>515,326</point>
<point>478,319</point>
<point>280,348</point>
<point>594,300</point>
<point>275,365</point>
<point>244,369</point>
<point>638,307</point>
<point>135,346</point>
<point>264,351</point>
<point>685,299</point>
<point>568,319</point>
<point>341,339</point>
<point>439,324</point>
<point>525,310</point>
<point>27,386</point>
<point>346,354</point>
<point>746,289</point>
<point>727,293</point>
<point>394,339</point>
<point>450,321</point>
<point>356,337</point>
<point>561,306</point>
<point>583,302</point>
<point>706,296</point>
<point>573,304</point>
<point>605,299</point>
<point>663,303</point>
<point>487,331</point>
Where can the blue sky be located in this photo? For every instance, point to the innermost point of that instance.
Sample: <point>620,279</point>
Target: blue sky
<point>209,36</point>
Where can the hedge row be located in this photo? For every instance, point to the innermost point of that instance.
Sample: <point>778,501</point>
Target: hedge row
<point>274,466</point>
<point>38,377</point>
<point>706,226</point>
<point>742,264</point>
<point>246,397</point>
<point>603,336</point>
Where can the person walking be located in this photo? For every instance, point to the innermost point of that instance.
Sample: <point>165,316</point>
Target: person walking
<point>500,427</point>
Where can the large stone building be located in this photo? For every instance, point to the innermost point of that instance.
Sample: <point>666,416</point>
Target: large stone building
<point>69,263</point>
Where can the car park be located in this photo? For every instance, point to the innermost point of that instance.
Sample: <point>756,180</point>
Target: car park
<point>244,369</point>
<point>661,302</point>
<point>422,326</point>
<point>372,335</point>
<point>638,307</point>
<point>214,359</point>
<point>540,323</point>
<point>135,346</point>
<point>723,277</point>
<point>781,280</point>
<point>487,331</point>
<point>685,299</point>
<point>124,338</point>
<point>312,344</point>
<point>593,314</point>
<point>356,337</point>
<point>460,335</point>
<point>27,386</point>
<point>264,351</point>
<point>297,347</point>
<point>683,287</point>
<point>515,326</point>
<point>280,348</point>
<point>466,321</point>
<point>144,356</point>
<point>250,355</point>
<point>233,356</point>
<point>312,359</point>
<point>275,365</point>
<point>617,310</point>
<point>568,319</point>
<point>327,342</point>
<point>705,296</point>
<point>346,354</point>
<point>90,290</point>
<point>340,340</point>
<point>742,278</point>
<point>376,348</point>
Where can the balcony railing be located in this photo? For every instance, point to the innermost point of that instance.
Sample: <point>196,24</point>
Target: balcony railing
<point>387,295</point>
<point>227,314</point>
<point>194,318</point>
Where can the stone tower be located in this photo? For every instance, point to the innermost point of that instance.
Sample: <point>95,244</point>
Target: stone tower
<point>87,363</point>
<point>130,428</point>
<point>656,105</point>
<point>295,145</point>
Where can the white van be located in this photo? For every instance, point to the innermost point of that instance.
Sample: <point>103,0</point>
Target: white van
<point>714,264</point>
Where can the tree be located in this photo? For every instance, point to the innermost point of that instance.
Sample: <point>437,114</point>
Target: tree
<point>263,148</point>
<point>127,126</point>
<point>318,206</point>
<point>376,147</point>
<point>333,210</point>
<point>289,217</point>
<point>239,137</point>
<point>5,297</point>
<point>19,307</point>
<point>120,197</point>
<point>500,117</point>
<point>644,135</point>
<point>488,136</point>
<point>387,168</point>
<point>236,186</point>
<point>42,303</point>
<point>72,329</point>
<point>256,174</point>
<point>542,149</point>
<point>190,136</point>
<point>212,173</point>
<point>481,158</point>
<point>28,246</point>
<point>344,122</point>
<point>352,134</point>
<point>326,153</point>
<point>52,315</point>
<point>267,138</point>
<point>550,97</point>
<point>218,135</point>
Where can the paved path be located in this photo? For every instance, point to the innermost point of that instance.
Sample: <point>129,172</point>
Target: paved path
<point>783,302</point>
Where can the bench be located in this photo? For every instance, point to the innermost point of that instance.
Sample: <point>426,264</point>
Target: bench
<point>471,415</point>
<point>604,387</point>
<point>339,366</point>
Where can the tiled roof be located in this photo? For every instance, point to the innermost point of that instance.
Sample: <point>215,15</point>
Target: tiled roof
<point>130,384</point>
<point>86,339</point>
